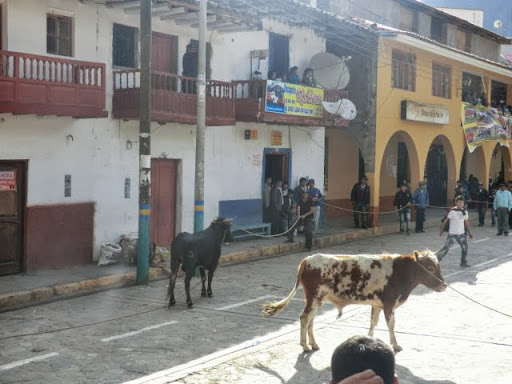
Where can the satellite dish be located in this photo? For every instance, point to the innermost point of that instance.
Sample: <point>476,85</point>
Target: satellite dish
<point>332,107</point>
<point>344,107</point>
<point>498,24</point>
<point>347,109</point>
<point>330,72</point>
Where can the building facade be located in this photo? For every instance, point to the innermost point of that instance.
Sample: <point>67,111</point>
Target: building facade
<point>69,91</point>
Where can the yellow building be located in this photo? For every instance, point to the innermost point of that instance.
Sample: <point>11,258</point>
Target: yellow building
<point>413,129</point>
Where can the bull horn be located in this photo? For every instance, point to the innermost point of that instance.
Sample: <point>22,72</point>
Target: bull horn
<point>228,221</point>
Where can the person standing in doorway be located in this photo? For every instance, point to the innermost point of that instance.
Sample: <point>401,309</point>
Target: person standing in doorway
<point>502,206</point>
<point>315,195</point>
<point>267,187</point>
<point>421,201</point>
<point>481,197</point>
<point>360,197</point>
<point>276,207</point>
<point>402,204</point>
<point>459,225</point>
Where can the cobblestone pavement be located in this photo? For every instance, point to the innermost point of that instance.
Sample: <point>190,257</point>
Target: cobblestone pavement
<point>446,338</point>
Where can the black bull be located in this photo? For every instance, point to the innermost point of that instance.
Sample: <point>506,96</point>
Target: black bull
<point>201,250</point>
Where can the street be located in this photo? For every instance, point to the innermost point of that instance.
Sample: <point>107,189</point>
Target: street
<point>129,336</point>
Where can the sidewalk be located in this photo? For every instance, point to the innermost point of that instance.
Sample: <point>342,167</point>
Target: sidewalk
<point>28,289</point>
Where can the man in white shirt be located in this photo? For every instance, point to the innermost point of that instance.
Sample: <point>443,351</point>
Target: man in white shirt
<point>459,225</point>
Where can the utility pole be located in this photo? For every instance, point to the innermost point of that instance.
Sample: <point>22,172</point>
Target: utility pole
<point>144,144</point>
<point>201,121</point>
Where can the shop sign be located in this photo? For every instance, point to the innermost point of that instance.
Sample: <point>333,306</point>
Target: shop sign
<point>294,99</point>
<point>435,114</point>
<point>7,180</point>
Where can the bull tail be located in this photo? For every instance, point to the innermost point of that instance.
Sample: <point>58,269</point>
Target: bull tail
<point>270,309</point>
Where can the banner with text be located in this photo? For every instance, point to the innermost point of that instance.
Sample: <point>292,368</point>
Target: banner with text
<point>482,124</point>
<point>294,99</point>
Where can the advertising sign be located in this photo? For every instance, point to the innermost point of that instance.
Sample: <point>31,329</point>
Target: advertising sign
<point>482,124</point>
<point>436,114</point>
<point>294,99</point>
<point>7,180</point>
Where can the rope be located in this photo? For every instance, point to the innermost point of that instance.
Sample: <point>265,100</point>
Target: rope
<point>466,296</point>
<point>267,236</point>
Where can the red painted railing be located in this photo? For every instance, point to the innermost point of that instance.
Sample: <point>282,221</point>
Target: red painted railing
<point>250,105</point>
<point>44,85</point>
<point>174,98</point>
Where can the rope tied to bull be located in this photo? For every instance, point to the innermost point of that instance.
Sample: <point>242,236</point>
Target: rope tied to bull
<point>464,295</point>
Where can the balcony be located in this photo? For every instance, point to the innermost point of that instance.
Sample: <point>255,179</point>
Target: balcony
<point>44,85</point>
<point>250,106</point>
<point>173,98</point>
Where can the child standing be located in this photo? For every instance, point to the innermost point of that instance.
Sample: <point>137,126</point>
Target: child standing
<point>459,225</point>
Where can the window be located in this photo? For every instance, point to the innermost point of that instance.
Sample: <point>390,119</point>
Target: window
<point>438,30</point>
<point>125,46</point>
<point>403,71</point>
<point>441,80</point>
<point>408,19</point>
<point>59,39</point>
<point>469,37</point>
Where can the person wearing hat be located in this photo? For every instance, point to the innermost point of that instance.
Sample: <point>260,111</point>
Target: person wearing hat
<point>360,197</point>
<point>502,206</point>
<point>315,195</point>
<point>420,199</point>
<point>402,204</point>
<point>481,197</point>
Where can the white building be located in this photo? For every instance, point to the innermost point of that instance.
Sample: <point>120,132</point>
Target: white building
<point>69,128</point>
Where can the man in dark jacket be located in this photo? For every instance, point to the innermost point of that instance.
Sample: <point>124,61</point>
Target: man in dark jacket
<point>481,197</point>
<point>276,207</point>
<point>402,203</point>
<point>360,197</point>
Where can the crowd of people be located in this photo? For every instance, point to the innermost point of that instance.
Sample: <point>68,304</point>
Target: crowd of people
<point>293,77</point>
<point>292,210</point>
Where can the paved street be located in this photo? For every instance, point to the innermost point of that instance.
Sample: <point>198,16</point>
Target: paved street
<point>129,335</point>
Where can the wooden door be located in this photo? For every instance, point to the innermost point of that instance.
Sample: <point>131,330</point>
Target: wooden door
<point>12,215</point>
<point>164,53</point>
<point>164,180</point>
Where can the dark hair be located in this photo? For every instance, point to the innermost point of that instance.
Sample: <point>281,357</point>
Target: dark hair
<point>294,68</point>
<point>307,70</point>
<point>459,198</point>
<point>360,353</point>
<point>302,179</point>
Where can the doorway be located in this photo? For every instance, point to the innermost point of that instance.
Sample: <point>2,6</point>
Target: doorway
<point>164,182</point>
<point>276,165</point>
<point>12,215</point>
<point>437,174</point>
<point>279,56</point>
<point>164,53</point>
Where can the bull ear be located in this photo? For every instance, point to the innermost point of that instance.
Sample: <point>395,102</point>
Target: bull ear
<point>228,221</point>
<point>416,254</point>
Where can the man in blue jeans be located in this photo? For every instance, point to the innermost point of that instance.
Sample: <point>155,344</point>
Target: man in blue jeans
<point>459,225</point>
<point>421,201</point>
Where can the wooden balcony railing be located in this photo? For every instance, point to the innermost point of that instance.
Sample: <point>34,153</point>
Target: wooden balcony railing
<point>174,98</point>
<point>44,85</point>
<point>250,106</point>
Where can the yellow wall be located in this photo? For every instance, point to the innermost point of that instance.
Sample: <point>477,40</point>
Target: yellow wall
<point>388,119</point>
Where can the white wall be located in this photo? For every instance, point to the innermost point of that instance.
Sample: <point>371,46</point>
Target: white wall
<point>95,151</point>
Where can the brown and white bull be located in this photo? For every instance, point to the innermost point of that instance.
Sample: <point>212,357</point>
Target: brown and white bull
<point>382,281</point>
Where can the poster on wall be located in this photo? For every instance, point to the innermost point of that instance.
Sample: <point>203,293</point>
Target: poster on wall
<point>482,124</point>
<point>7,180</point>
<point>294,99</point>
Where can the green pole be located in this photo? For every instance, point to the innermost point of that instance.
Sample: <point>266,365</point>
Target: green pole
<point>144,144</point>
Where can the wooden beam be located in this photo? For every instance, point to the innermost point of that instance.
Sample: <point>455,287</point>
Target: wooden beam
<point>170,11</point>
<point>182,16</point>
<point>126,4</point>
<point>154,8</point>
<point>209,19</point>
